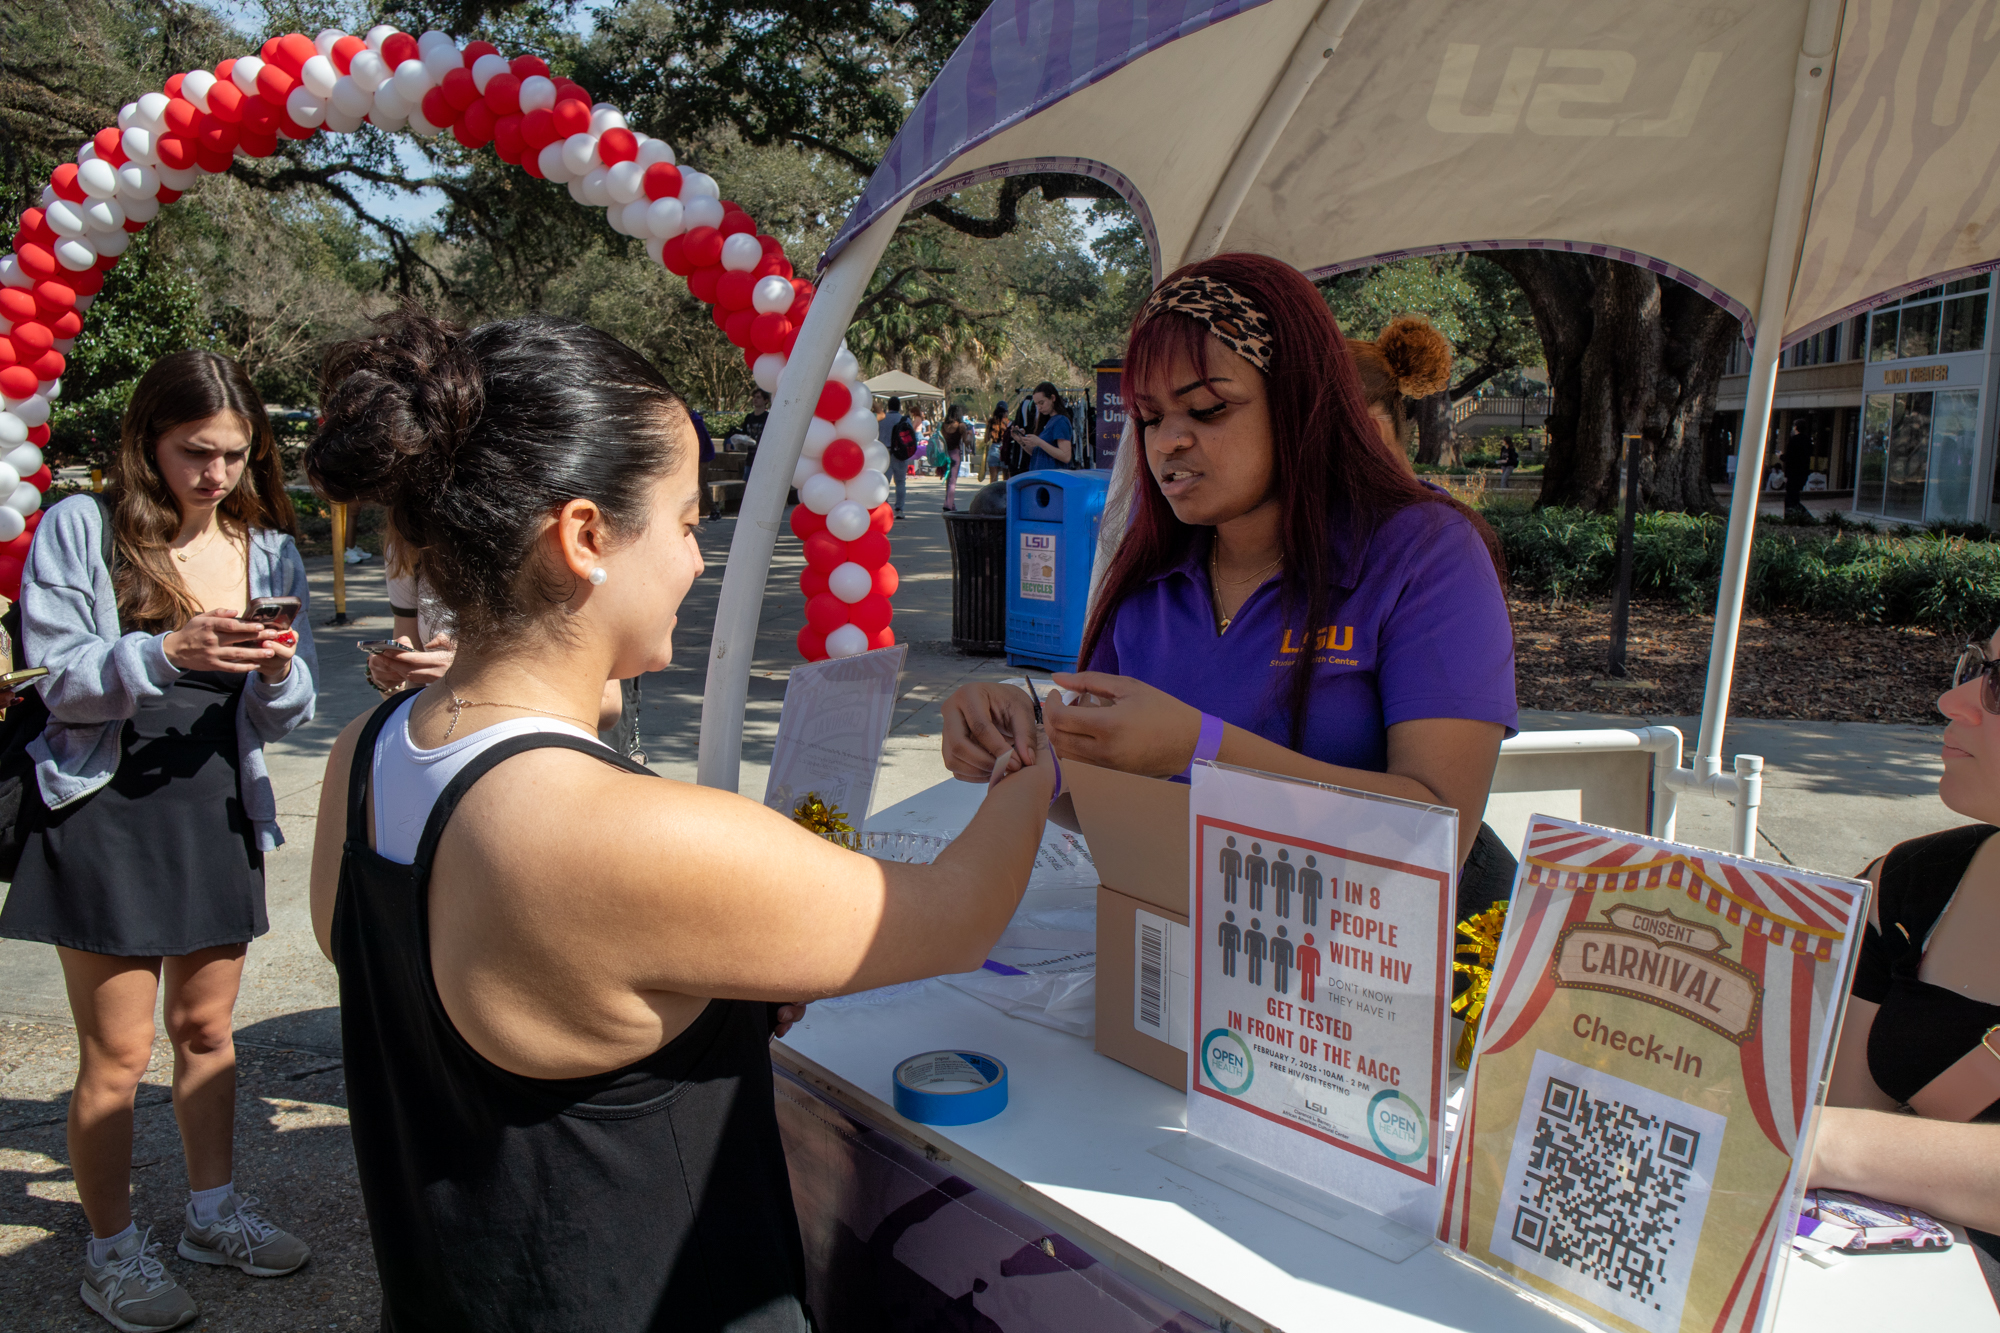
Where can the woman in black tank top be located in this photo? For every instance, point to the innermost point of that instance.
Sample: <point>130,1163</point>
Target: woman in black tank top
<point>1925,995</point>
<point>555,1015</point>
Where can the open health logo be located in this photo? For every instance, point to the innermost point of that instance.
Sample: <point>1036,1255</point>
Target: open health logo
<point>1398,1126</point>
<point>1226,1061</point>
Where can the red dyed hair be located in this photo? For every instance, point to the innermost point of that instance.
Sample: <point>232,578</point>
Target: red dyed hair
<point>1334,473</point>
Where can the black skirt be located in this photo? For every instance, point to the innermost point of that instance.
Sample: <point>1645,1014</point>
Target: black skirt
<point>161,860</point>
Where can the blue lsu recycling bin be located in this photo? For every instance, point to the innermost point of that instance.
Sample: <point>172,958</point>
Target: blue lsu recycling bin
<point>1052,521</point>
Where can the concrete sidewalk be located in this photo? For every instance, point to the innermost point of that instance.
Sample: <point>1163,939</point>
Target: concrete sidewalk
<point>1835,796</point>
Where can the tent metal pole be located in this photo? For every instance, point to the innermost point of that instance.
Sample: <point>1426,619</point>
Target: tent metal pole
<point>1315,47</point>
<point>737,611</point>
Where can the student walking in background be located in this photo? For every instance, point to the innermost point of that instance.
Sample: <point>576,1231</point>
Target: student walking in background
<point>992,457</point>
<point>953,437</point>
<point>153,808</point>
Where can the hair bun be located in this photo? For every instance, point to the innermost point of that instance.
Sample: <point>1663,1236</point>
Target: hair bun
<point>1418,355</point>
<point>394,408</point>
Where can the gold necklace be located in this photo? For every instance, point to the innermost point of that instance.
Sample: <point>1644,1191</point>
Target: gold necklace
<point>1215,583</point>
<point>185,556</point>
<point>458,705</point>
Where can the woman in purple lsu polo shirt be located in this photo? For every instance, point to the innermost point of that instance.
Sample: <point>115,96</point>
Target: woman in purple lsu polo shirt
<point>1270,500</point>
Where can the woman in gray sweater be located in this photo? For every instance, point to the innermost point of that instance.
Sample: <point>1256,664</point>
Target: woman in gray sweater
<point>144,856</point>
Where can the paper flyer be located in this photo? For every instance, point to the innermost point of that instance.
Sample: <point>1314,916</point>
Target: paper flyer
<point>1655,1040</point>
<point>1321,938</point>
<point>837,713</point>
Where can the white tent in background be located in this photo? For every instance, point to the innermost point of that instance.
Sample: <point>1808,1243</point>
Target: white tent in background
<point>1794,160</point>
<point>897,384</point>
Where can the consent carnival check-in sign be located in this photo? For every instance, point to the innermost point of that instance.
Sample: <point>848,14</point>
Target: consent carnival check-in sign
<point>1656,1038</point>
<point>1321,923</point>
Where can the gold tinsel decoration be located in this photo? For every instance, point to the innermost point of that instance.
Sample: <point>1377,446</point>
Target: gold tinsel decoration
<point>1478,942</point>
<point>829,821</point>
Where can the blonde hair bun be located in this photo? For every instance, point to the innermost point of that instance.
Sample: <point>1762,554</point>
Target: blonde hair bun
<point>1418,355</point>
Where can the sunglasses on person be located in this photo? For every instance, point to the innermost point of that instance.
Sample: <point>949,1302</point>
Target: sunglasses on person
<point>1974,661</point>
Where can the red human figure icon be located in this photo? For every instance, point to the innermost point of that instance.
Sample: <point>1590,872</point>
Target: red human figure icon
<point>1308,965</point>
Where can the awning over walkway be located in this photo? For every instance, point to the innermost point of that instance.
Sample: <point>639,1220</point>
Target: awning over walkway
<point>899,384</point>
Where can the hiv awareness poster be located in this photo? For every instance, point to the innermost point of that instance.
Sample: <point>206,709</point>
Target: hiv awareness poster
<point>837,713</point>
<point>1654,1043</point>
<point>1322,933</point>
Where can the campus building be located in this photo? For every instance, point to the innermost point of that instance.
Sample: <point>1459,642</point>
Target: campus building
<point>1899,403</point>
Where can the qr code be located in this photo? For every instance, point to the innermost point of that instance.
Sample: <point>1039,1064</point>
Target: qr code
<point>1607,1186</point>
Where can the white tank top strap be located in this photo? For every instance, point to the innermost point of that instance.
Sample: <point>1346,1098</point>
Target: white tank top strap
<point>405,782</point>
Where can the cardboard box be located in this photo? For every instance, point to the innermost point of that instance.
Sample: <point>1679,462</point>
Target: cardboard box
<point>1137,829</point>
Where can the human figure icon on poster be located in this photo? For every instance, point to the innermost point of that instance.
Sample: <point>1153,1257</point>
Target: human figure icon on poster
<point>1282,874</point>
<point>1229,936</point>
<point>1281,963</point>
<point>1231,867</point>
<point>1258,871</point>
<point>1308,961</point>
<point>1256,946</point>
<point>1312,887</point>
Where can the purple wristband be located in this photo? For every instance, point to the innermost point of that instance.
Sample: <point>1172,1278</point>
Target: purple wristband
<point>1208,744</point>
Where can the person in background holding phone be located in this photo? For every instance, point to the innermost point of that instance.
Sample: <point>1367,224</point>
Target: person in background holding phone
<point>144,856</point>
<point>953,436</point>
<point>1051,442</point>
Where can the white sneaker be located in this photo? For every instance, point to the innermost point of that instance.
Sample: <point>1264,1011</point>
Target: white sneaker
<point>239,1238</point>
<point>132,1290</point>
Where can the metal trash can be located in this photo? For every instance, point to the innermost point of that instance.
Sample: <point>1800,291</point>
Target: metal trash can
<point>978,582</point>
<point>1052,520</point>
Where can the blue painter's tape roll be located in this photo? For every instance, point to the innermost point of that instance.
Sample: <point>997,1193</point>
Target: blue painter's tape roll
<point>950,1088</point>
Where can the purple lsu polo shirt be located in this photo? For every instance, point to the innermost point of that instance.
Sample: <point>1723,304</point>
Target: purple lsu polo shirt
<point>1419,629</point>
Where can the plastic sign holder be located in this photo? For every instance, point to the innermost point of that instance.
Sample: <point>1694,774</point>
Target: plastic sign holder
<point>836,716</point>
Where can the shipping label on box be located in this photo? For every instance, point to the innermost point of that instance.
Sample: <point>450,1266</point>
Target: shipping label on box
<point>1162,1000</point>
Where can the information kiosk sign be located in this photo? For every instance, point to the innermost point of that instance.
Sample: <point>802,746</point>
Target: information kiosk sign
<point>1656,1038</point>
<point>1322,930</point>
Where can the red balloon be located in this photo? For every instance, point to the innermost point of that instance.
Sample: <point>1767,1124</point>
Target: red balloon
<point>701,283</point>
<point>834,401</point>
<point>872,613</point>
<point>870,550</point>
<point>174,83</point>
<point>531,163</point>
<point>39,435</point>
<point>176,151</point>
<point>17,382</point>
<point>729,206</point>
<point>842,460</point>
<point>67,325</point>
<point>37,261</point>
<point>253,145</point>
<point>475,125</point>
<point>770,333</point>
<point>342,56</point>
<point>31,338</point>
<point>110,145</point>
<point>295,48</point>
<point>721,318</point>
<point>226,101</point>
<point>772,245</point>
<point>826,613</point>
<point>215,135</point>
<point>258,118</point>
<point>63,181</point>
<point>750,356</point>
<point>91,281</point>
<point>812,644</point>
<point>616,145</point>
<point>703,245</point>
<point>269,50</point>
<point>526,67</point>
<point>507,138</point>
<point>737,224</point>
<point>887,580</point>
<point>662,181</point>
<point>812,581</point>
<point>228,67</point>
<point>474,50</point>
<point>182,115</point>
<point>458,89</point>
<point>9,354</point>
<point>737,326</point>
<point>674,255</point>
<point>882,518</point>
<point>54,297</point>
<point>569,90</point>
<point>398,47</point>
<point>823,549</point>
<point>886,639</point>
<point>41,479</point>
<point>274,85</point>
<point>35,519</point>
<point>438,109</point>
<point>732,290</point>
<point>291,129</point>
<point>48,366</point>
<point>572,116</point>
<point>805,522</point>
<point>769,266</point>
<point>503,94</point>
<point>166,196</point>
<point>18,306</point>
<point>538,131</point>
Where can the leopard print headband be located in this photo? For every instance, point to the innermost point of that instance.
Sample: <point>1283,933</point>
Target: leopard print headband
<point>1222,310</point>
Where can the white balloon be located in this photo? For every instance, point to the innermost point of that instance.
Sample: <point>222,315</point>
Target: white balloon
<point>136,182</point>
<point>53,388</point>
<point>153,106</point>
<point>178,178</point>
<point>10,273</point>
<point>656,249</point>
<point>741,253</point>
<point>64,344</point>
<point>138,144</point>
<point>769,367</point>
<point>484,68</point>
<point>614,218</point>
<point>128,115</point>
<point>9,479</point>
<point>14,431</point>
<point>368,70</point>
<point>327,39</point>
<point>605,116</point>
<point>382,120</point>
<point>804,472</point>
<point>859,425</point>
<point>305,108</point>
<point>847,641</point>
<point>195,88</point>
<point>626,181</point>
<point>25,500</point>
<point>850,582</point>
<point>875,457</point>
<point>83,305</point>
<point>441,58</point>
<point>25,459</point>
<point>349,98</point>
<point>575,186</point>
<point>111,243</point>
<point>343,122</point>
<point>633,215</point>
<point>701,211</point>
<point>317,74</point>
<point>389,101</point>
<point>98,179</point>
<point>698,185</point>
<point>432,37</point>
<point>818,436</point>
<point>772,295</point>
<point>379,34</point>
<point>244,74</point>
<point>655,150</point>
<point>663,219</point>
<point>12,524</point>
<point>65,218</point>
<point>75,255</point>
<point>421,126</point>
<point>412,81</point>
<point>845,366</point>
<point>537,93</point>
<point>868,488</point>
<point>821,493</point>
<point>553,164</point>
<point>847,520</point>
<point>580,153</point>
<point>47,196</point>
<point>595,189</point>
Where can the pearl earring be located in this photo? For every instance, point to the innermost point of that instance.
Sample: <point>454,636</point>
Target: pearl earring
<point>597,575</point>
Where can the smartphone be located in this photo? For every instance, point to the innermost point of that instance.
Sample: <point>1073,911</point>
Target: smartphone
<point>274,612</point>
<point>389,646</point>
<point>14,680</point>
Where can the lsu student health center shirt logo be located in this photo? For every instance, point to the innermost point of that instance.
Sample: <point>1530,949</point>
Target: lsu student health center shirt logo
<point>1545,108</point>
<point>1333,646</point>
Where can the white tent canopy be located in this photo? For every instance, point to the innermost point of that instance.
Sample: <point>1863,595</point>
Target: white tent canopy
<point>1794,160</point>
<point>898,384</point>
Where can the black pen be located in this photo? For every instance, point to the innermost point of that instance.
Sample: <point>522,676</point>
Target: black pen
<point>1032,694</point>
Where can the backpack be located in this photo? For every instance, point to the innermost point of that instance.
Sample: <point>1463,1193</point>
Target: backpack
<point>902,440</point>
<point>24,722</point>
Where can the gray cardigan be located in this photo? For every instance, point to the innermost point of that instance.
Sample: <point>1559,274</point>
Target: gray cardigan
<point>97,676</point>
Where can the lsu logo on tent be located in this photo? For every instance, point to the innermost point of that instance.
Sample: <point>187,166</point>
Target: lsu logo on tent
<point>1546,107</point>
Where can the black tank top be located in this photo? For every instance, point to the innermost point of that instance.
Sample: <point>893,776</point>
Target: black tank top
<point>652,1197</point>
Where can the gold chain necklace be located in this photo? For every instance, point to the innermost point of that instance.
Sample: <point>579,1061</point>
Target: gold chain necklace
<point>185,556</point>
<point>458,705</point>
<point>1215,583</point>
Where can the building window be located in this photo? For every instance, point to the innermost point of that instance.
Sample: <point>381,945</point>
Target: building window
<point>1935,321</point>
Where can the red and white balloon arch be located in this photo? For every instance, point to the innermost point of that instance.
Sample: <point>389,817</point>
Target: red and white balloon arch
<point>297,86</point>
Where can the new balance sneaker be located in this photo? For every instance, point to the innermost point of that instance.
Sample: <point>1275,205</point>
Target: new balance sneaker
<point>132,1290</point>
<point>239,1238</point>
